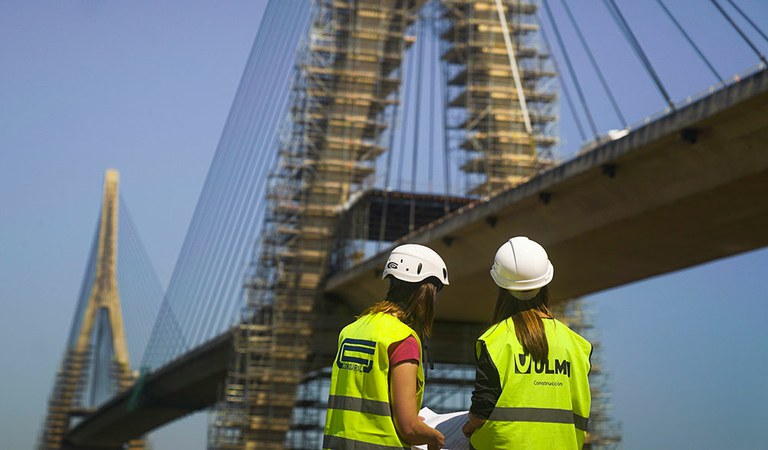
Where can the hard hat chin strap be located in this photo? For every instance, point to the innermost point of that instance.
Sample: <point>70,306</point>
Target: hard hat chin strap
<point>524,295</point>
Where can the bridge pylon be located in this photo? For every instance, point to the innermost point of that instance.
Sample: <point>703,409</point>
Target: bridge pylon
<point>97,330</point>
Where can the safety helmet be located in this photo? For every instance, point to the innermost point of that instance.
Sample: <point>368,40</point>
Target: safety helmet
<point>521,265</point>
<point>414,263</point>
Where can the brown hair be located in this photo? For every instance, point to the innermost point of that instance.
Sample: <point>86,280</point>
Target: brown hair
<point>526,315</point>
<point>416,309</point>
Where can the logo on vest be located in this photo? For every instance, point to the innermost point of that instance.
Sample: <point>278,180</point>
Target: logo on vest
<point>525,365</point>
<point>356,354</point>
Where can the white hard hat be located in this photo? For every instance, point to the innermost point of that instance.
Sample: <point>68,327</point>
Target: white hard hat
<point>414,263</point>
<point>521,265</point>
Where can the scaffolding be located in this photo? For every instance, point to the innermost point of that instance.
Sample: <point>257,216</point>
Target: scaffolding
<point>346,77</point>
<point>604,433</point>
<point>489,121</point>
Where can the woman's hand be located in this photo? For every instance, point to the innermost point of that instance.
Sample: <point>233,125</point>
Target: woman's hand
<point>437,442</point>
<point>467,429</point>
<point>472,424</point>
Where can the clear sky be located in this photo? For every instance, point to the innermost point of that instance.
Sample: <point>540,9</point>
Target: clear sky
<point>145,87</point>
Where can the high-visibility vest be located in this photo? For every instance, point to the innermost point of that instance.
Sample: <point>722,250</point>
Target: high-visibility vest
<point>359,413</point>
<point>543,405</point>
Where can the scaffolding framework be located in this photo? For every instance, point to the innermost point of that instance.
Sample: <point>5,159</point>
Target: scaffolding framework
<point>345,79</point>
<point>487,115</point>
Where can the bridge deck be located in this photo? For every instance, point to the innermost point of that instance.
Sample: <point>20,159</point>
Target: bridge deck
<point>683,190</point>
<point>186,385</point>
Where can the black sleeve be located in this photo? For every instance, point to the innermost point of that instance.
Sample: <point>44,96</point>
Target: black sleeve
<point>487,385</point>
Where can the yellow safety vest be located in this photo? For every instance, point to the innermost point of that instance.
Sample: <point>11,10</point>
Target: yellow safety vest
<point>359,415</point>
<point>543,405</point>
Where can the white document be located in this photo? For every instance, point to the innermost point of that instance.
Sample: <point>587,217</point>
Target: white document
<point>450,425</point>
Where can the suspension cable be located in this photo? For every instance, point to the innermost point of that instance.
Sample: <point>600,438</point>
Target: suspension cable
<point>434,58</point>
<point>746,17</point>
<point>247,206</point>
<point>569,65</point>
<point>595,66</point>
<point>229,218</point>
<point>199,244</point>
<point>690,41</point>
<point>513,67</point>
<point>405,111</point>
<point>443,86</point>
<point>613,8</point>
<point>563,85</point>
<point>740,31</point>
<point>391,140</point>
<point>419,79</point>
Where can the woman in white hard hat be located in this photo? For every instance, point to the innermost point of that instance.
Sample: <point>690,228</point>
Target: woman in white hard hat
<point>377,379</point>
<point>531,383</point>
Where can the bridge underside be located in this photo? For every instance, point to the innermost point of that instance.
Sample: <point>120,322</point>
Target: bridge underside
<point>683,190</point>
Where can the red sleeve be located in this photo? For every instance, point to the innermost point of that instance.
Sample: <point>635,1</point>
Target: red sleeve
<point>405,350</point>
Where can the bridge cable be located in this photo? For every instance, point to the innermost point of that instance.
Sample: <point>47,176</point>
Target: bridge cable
<point>85,289</point>
<point>513,66</point>
<point>409,75</point>
<point>265,141</point>
<point>394,115</point>
<point>140,275</point>
<point>595,66</point>
<point>198,244</point>
<point>421,33</point>
<point>224,218</point>
<point>690,41</point>
<point>443,73</point>
<point>747,18</point>
<point>637,48</point>
<point>569,65</point>
<point>566,91</point>
<point>247,138</point>
<point>405,85</point>
<point>432,100</point>
<point>241,211</point>
<point>270,157</point>
<point>200,230</point>
<point>389,160</point>
<point>221,216</point>
<point>740,31</point>
<point>262,139</point>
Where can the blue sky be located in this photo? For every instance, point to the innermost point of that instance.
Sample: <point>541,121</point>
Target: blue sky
<point>145,87</point>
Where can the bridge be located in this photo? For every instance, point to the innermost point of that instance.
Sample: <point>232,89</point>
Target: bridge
<point>635,205</point>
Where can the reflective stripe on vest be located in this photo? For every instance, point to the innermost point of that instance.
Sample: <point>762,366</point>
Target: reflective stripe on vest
<point>359,404</point>
<point>549,415</point>
<point>340,443</point>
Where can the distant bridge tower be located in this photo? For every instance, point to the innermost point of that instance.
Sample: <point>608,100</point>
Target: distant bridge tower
<point>95,364</point>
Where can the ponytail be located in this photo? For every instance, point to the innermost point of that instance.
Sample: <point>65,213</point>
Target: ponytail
<point>529,327</point>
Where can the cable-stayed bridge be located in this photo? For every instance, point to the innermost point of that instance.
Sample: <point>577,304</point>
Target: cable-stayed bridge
<point>637,204</point>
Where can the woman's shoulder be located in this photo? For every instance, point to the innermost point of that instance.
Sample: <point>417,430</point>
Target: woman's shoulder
<point>562,327</point>
<point>500,328</point>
